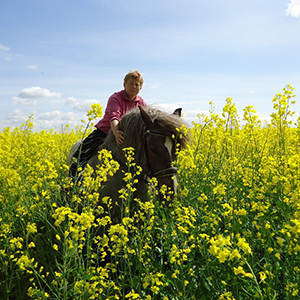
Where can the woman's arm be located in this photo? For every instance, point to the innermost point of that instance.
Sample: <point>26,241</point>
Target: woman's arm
<point>114,125</point>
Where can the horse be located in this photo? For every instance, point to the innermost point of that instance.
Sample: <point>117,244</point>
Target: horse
<point>155,137</point>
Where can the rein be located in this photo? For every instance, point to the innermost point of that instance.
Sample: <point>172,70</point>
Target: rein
<point>162,173</point>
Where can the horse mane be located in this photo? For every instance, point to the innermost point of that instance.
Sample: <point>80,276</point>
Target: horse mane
<point>134,128</point>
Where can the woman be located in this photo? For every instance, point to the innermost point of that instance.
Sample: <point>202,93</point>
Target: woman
<point>118,104</point>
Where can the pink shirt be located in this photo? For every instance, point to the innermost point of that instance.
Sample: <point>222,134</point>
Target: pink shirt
<point>117,105</point>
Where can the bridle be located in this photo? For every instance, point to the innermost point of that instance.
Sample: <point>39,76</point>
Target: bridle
<point>164,172</point>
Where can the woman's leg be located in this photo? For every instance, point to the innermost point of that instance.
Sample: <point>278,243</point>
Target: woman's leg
<point>86,150</point>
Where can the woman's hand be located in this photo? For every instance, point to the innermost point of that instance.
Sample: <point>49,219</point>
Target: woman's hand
<point>114,125</point>
<point>119,137</point>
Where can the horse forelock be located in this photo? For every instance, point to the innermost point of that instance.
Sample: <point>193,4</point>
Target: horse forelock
<point>172,124</point>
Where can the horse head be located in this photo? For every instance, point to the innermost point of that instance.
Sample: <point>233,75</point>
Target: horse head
<point>160,149</point>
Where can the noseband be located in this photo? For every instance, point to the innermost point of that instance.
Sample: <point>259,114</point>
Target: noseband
<point>162,173</point>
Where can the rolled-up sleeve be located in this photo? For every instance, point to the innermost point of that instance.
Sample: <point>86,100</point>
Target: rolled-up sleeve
<point>114,108</point>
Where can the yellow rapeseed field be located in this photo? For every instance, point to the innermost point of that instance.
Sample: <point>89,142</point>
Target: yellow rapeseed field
<point>232,232</point>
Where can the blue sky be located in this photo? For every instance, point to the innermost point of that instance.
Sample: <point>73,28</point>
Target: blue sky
<point>58,57</point>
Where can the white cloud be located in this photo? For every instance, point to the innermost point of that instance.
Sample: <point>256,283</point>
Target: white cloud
<point>70,100</point>
<point>38,92</point>
<point>3,48</point>
<point>167,107</point>
<point>42,121</point>
<point>52,115</point>
<point>24,101</point>
<point>192,115</point>
<point>32,67</point>
<point>56,120</point>
<point>293,8</point>
<point>84,105</point>
<point>16,117</point>
<point>30,96</point>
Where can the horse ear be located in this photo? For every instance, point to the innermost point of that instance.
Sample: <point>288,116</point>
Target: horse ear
<point>145,117</point>
<point>177,112</point>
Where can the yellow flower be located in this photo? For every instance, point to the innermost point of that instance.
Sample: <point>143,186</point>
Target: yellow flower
<point>297,269</point>
<point>267,225</point>
<point>244,245</point>
<point>133,295</point>
<point>235,254</point>
<point>95,112</point>
<point>238,270</point>
<point>220,189</point>
<point>263,276</point>
<point>16,243</point>
<point>226,296</point>
<point>31,228</point>
<point>280,241</point>
<point>24,262</point>
<point>31,245</point>
<point>223,254</point>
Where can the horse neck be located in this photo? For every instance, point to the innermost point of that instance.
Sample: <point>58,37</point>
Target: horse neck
<point>118,152</point>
